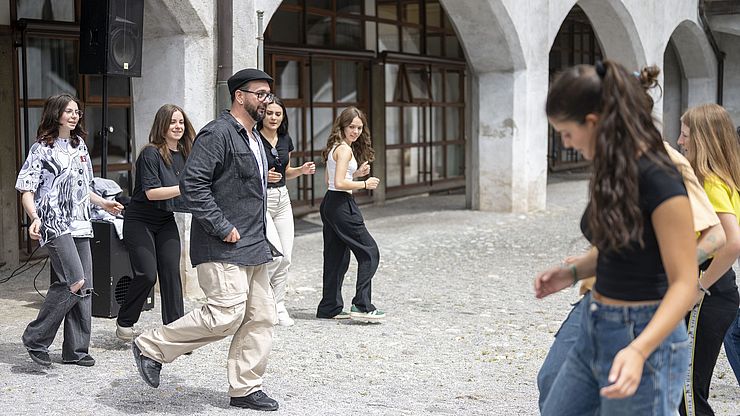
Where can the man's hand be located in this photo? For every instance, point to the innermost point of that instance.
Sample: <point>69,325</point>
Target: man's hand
<point>233,236</point>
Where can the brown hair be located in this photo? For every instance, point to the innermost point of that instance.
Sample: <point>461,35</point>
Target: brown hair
<point>48,129</point>
<point>712,148</point>
<point>159,131</point>
<point>362,148</point>
<point>625,131</point>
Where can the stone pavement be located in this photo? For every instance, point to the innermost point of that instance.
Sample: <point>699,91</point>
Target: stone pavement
<point>463,336</point>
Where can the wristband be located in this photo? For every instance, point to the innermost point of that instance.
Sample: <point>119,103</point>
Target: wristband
<point>365,182</point>
<point>574,272</point>
<point>638,351</point>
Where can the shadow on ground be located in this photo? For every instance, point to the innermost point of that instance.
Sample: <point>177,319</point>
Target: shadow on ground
<point>134,397</point>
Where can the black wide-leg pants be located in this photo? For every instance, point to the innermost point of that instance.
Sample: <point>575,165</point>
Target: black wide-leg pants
<point>154,250</point>
<point>345,231</point>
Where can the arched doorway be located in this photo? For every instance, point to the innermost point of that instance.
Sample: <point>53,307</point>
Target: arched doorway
<point>576,43</point>
<point>688,68</point>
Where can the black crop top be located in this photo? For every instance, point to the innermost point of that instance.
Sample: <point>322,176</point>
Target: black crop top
<point>637,274</point>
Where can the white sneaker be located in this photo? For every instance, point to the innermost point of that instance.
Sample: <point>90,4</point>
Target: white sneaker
<point>124,333</point>
<point>283,318</point>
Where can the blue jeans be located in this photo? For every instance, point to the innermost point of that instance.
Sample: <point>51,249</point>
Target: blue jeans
<point>606,330</point>
<point>565,338</point>
<point>732,346</point>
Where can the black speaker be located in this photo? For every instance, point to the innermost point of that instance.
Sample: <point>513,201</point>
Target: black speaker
<point>111,32</point>
<point>111,271</point>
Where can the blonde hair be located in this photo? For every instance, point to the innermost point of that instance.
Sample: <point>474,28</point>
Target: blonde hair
<point>712,147</point>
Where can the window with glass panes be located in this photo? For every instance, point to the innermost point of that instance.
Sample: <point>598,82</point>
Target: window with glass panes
<point>320,53</point>
<point>46,64</point>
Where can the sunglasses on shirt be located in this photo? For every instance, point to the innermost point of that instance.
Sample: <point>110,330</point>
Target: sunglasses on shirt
<point>276,155</point>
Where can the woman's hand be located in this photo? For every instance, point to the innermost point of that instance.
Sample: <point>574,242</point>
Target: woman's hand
<point>551,281</point>
<point>308,168</point>
<point>34,230</point>
<point>112,207</point>
<point>273,177</point>
<point>625,373</point>
<point>372,182</point>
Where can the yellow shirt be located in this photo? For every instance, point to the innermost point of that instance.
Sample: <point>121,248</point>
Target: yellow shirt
<point>703,207</point>
<point>723,199</point>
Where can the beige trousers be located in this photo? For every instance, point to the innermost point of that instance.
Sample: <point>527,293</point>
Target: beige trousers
<point>239,303</point>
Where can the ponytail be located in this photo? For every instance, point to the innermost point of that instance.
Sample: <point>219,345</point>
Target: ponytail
<point>625,131</point>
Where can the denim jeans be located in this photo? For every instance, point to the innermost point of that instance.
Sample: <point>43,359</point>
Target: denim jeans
<point>71,261</point>
<point>732,346</point>
<point>565,338</point>
<point>606,330</point>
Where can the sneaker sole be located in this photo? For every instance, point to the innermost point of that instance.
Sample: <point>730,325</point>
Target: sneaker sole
<point>366,318</point>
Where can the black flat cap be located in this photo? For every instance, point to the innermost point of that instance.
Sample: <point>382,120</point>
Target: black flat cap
<point>244,76</point>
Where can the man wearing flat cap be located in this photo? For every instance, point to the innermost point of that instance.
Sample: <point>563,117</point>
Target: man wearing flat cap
<point>224,186</point>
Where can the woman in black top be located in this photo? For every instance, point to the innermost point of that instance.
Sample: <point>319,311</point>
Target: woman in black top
<point>280,228</point>
<point>149,228</point>
<point>633,344</point>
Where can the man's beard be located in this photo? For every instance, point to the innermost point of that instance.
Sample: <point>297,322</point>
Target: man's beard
<point>254,112</point>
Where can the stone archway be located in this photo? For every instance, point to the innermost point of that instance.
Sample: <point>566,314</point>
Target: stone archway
<point>689,74</point>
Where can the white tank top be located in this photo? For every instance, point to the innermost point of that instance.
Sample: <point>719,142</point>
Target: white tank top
<point>331,167</point>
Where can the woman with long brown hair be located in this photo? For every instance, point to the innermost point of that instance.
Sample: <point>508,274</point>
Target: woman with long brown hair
<point>633,343</point>
<point>348,154</point>
<point>149,228</point>
<point>55,182</point>
<point>708,136</point>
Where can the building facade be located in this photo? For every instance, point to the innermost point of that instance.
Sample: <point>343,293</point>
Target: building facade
<point>454,90</point>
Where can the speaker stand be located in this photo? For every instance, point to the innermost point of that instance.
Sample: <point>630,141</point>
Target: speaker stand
<point>104,131</point>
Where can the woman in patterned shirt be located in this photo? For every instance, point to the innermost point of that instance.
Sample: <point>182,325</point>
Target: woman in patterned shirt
<point>55,185</point>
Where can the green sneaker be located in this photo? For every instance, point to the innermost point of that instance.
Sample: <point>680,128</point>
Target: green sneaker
<point>372,316</point>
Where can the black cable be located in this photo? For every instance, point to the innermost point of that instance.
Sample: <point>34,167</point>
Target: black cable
<point>22,268</point>
<point>37,276</point>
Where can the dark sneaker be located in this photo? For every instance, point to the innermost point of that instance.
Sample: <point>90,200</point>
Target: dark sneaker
<point>86,361</point>
<point>255,401</point>
<point>40,358</point>
<point>341,315</point>
<point>148,368</point>
<point>372,316</point>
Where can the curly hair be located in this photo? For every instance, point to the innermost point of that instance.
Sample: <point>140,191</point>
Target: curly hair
<point>625,131</point>
<point>362,148</point>
<point>161,126</point>
<point>48,129</point>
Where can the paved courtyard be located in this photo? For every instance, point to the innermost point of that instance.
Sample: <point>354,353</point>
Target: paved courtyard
<point>464,334</point>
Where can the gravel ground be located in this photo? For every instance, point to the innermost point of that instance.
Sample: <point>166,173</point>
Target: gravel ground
<point>463,336</point>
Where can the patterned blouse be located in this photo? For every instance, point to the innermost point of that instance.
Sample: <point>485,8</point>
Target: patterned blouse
<point>60,178</point>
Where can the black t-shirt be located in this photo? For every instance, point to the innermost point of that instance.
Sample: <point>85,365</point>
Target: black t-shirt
<point>284,147</point>
<point>637,274</point>
<point>151,173</point>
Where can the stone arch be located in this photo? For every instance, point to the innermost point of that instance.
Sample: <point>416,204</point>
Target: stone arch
<point>689,70</point>
<point>614,27</point>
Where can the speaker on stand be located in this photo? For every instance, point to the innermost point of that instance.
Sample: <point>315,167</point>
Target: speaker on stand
<point>111,33</point>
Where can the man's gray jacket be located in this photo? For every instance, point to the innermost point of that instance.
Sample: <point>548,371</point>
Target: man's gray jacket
<point>222,187</point>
